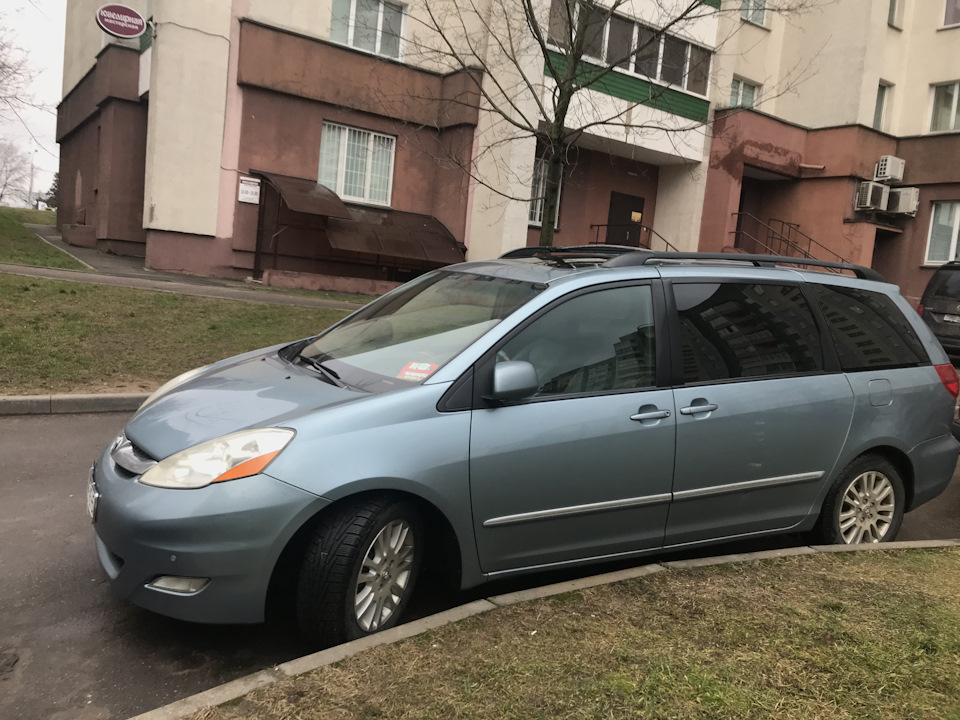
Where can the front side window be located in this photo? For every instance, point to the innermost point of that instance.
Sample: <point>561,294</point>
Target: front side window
<point>951,14</point>
<point>357,164</point>
<point>869,329</point>
<point>406,336</point>
<point>537,191</point>
<point>371,25</point>
<point>598,342</point>
<point>946,111</point>
<point>753,11</point>
<point>740,330</point>
<point>743,93</point>
<point>944,227</point>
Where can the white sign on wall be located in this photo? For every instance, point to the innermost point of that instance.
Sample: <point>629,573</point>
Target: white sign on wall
<point>249,190</point>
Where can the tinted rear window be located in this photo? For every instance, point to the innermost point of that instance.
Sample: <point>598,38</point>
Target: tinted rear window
<point>869,329</point>
<point>738,330</point>
<point>945,283</point>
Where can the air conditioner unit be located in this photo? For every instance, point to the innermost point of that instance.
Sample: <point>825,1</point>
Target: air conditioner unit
<point>904,201</point>
<point>889,169</point>
<point>872,196</point>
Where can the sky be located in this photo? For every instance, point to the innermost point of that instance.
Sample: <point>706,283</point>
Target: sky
<point>37,27</point>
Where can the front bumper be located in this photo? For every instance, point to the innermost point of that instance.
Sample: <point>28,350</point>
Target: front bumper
<point>231,532</point>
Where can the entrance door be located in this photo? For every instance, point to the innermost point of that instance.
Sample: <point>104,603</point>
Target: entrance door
<point>624,220</point>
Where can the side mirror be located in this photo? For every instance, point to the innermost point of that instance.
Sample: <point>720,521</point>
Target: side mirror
<point>514,380</point>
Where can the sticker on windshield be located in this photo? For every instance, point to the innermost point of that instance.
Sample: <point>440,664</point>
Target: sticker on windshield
<point>417,371</point>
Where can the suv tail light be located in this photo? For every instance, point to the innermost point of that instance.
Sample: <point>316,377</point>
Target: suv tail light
<point>920,309</point>
<point>948,376</point>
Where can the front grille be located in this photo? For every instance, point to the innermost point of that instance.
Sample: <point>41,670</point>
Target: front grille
<point>129,457</point>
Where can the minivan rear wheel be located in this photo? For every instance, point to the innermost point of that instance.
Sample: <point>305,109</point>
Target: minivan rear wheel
<point>865,505</point>
<point>359,570</point>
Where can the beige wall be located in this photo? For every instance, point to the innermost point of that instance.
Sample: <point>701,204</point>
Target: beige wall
<point>84,39</point>
<point>187,107</point>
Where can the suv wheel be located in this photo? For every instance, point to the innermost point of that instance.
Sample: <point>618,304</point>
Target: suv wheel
<point>359,570</point>
<point>865,505</point>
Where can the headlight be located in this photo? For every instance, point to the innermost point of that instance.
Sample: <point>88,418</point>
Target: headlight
<point>176,382</point>
<point>230,457</point>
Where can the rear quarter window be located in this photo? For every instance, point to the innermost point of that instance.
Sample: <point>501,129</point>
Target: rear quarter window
<point>869,330</point>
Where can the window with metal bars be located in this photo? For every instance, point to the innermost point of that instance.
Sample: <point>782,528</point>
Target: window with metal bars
<point>357,164</point>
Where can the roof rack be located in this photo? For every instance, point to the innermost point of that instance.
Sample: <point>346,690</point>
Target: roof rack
<point>642,257</point>
<point>598,250</point>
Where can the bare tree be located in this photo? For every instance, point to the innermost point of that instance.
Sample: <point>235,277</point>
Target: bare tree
<point>16,74</point>
<point>538,65</point>
<point>14,174</point>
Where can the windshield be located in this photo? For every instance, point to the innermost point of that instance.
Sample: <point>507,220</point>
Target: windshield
<point>404,337</point>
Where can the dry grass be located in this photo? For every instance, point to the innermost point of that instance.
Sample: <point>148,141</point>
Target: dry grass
<point>60,337</point>
<point>21,246</point>
<point>862,635</point>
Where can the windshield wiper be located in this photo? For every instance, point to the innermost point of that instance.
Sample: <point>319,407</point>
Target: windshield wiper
<point>331,376</point>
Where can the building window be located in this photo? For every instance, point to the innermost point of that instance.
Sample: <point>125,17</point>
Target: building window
<point>357,164</point>
<point>893,14</point>
<point>538,189</point>
<point>371,25</point>
<point>621,42</point>
<point>879,110</point>
<point>743,93</point>
<point>951,15</point>
<point>753,11</point>
<point>946,113</point>
<point>944,225</point>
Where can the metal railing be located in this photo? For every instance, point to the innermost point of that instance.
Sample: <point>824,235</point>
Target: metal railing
<point>642,228</point>
<point>789,241</point>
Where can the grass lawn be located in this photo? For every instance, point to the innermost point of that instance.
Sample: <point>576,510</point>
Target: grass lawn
<point>61,337</point>
<point>852,635</point>
<point>21,246</point>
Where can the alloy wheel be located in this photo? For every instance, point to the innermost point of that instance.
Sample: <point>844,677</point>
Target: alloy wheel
<point>384,575</point>
<point>867,509</point>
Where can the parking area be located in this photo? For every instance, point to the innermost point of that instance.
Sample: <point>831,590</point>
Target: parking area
<point>69,649</point>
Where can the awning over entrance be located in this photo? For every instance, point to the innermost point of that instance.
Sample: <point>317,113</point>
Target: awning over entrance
<point>396,234</point>
<point>308,197</point>
<point>373,231</point>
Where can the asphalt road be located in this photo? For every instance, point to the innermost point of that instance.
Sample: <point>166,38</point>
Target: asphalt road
<point>70,650</point>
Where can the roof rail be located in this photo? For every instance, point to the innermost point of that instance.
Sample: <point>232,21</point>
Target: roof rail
<point>581,250</point>
<point>642,257</point>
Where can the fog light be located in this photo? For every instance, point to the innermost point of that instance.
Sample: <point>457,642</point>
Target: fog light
<point>176,584</point>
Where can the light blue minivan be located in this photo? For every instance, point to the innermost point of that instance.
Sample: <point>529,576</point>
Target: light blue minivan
<point>553,407</point>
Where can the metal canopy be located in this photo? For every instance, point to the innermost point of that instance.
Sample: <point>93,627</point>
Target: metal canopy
<point>306,196</point>
<point>373,231</point>
<point>394,233</point>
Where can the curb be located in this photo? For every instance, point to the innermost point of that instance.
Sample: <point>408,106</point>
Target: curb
<point>62,404</point>
<point>238,688</point>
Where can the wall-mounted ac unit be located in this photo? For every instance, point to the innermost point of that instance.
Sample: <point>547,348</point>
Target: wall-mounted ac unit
<point>889,169</point>
<point>904,201</point>
<point>872,196</point>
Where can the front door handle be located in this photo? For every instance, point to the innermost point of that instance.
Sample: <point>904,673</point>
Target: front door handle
<point>652,415</point>
<point>697,409</point>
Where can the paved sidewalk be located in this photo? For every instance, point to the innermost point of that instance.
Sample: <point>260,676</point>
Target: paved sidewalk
<point>120,271</point>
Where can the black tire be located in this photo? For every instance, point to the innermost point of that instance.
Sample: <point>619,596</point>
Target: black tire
<point>871,517</point>
<point>328,584</point>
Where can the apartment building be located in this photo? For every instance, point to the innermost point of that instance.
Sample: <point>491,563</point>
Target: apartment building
<point>323,143</point>
<point>837,133</point>
<point>327,143</point>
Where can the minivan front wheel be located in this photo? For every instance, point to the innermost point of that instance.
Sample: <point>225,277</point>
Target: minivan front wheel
<point>864,506</point>
<point>359,570</point>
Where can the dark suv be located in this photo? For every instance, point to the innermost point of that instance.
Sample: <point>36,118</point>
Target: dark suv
<point>940,307</point>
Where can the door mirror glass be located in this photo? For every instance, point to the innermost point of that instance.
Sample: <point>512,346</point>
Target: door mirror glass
<point>514,380</point>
